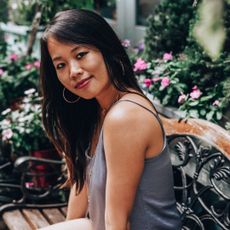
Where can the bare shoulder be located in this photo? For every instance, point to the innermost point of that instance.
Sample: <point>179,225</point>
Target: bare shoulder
<point>128,122</point>
<point>129,111</point>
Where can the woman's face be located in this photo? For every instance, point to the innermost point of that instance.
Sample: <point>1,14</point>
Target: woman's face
<point>80,68</point>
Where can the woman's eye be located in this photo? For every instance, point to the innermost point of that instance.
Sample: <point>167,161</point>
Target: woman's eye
<point>60,65</point>
<point>81,55</point>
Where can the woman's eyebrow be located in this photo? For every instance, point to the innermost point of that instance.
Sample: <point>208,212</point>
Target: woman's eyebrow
<point>56,58</point>
<point>75,48</point>
<point>71,51</point>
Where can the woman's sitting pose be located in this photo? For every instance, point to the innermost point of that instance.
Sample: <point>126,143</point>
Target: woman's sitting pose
<point>111,136</point>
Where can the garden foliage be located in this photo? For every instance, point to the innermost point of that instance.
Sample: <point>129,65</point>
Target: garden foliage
<point>177,71</point>
<point>17,74</point>
<point>168,27</point>
<point>21,127</point>
<point>27,9</point>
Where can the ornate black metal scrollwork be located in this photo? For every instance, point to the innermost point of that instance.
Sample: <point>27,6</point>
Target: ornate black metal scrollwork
<point>202,183</point>
<point>33,183</point>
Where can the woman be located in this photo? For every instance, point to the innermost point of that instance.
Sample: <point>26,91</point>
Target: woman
<point>110,134</point>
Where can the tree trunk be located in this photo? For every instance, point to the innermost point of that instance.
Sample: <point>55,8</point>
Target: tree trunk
<point>34,28</point>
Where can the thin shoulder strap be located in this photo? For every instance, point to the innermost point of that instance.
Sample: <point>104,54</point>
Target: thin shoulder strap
<point>154,114</point>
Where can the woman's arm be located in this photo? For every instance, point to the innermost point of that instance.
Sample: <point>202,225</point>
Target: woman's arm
<point>127,135</point>
<point>77,205</point>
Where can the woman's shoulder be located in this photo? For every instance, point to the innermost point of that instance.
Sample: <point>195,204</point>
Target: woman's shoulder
<point>131,109</point>
<point>133,120</point>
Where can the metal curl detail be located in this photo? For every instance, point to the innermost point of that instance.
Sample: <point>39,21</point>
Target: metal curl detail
<point>202,183</point>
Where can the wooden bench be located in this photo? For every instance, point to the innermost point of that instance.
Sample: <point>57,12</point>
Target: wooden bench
<point>200,153</point>
<point>28,219</point>
<point>35,206</point>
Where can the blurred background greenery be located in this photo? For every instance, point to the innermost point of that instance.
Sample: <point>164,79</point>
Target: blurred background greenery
<point>181,59</point>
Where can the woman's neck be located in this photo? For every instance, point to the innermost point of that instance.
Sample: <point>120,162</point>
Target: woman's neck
<point>108,99</point>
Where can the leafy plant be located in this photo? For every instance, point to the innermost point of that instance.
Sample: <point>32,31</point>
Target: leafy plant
<point>168,28</point>
<point>17,74</point>
<point>21,129</point>
<point>179,82</point>
<point>186,77</point>
<point>27,9</point>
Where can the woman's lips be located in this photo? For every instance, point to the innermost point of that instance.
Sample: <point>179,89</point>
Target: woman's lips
<point>82,83</point>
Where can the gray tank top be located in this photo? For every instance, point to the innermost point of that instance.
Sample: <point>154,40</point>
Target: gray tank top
<point>154,206</point>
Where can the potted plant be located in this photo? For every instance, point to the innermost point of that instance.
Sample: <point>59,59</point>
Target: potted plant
<point>21,128</point>
<point>22,132</point>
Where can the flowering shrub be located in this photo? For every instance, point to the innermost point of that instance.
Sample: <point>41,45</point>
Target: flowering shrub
<point>175,82</point>
<point>21,128</point>
<point>17,74</point>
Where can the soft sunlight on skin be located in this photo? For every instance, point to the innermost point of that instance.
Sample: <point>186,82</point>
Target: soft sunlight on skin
<point>81,70</point>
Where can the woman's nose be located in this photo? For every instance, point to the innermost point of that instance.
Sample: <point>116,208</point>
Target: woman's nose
<point>75,70</point>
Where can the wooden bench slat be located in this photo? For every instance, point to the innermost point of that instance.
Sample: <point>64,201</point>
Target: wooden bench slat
<point>15,220</point>
<point>64,211</point>
<point>53,215</point>
<point>35,218</point>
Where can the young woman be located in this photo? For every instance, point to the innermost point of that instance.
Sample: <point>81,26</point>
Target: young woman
<point>108,131</point>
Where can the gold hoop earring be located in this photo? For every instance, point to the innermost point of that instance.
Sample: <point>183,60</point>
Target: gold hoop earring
<point>68,101</point>
<point>122,68</point>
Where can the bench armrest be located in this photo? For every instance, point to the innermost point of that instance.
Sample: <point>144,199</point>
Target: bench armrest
<point>200,154</point>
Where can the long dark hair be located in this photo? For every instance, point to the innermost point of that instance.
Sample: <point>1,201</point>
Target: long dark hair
<point>70,127</point>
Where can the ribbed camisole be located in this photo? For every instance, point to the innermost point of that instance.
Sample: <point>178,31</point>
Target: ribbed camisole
<point>154,207</point>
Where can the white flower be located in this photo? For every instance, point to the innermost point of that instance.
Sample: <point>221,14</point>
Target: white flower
<point>21,119</point>
<point>26,100</point>
<point>26,108</point>
<point>5,124</point>
<point>36,108</point>
<point>4,112</point>
<point>7,134</point>
<point>21,130</point>
<point>15,115</point>
<point>29,91</point>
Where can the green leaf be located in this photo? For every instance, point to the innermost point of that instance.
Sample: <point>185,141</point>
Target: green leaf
<point>218,115</point>
<point>202,112</point>
<point>206,98</point>
<point>209,115</point>
<point>193,113</point>
<point>194,103</point>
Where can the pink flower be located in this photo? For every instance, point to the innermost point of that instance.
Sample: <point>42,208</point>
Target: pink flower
<point>167,56</point>
<point>29,184</point>
<point>148,82</point>
<point>7,134</point>
<point>140,65</point>
<point>37,64</point>
<point>13,57</point>
<point>28,66</point>
<point>156,79</point>
<point>165,82</point>
<point>1,72</point>
<point>216,103</point>
<point>126,43</point>
<point>182,98</point>
<point>194,87</point>
<point>196,93</point>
